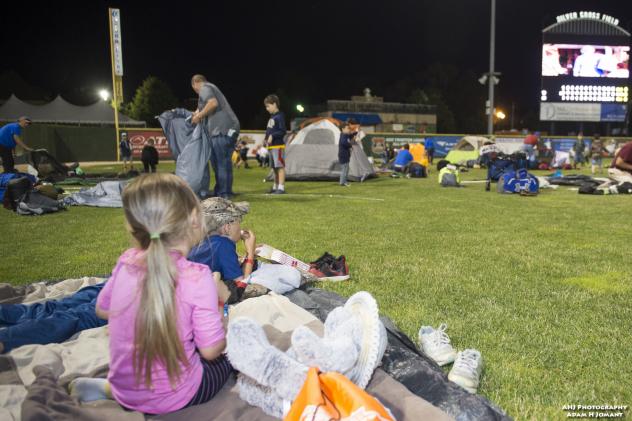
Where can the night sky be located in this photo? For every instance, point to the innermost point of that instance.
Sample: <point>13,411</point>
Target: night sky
<point>321,49</point>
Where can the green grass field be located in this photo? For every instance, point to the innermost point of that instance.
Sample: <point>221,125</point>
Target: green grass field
<point>541,285</point>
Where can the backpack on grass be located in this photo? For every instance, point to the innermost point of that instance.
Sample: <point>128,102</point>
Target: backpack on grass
<point>519,181</point>
<point>35,203</point>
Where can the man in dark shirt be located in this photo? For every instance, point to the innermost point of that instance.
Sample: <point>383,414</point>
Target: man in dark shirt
<point>275,134</point>
<point>621,167</point>
<point>346,142</point>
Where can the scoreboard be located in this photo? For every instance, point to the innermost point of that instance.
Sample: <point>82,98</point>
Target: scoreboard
<point>585,69</point>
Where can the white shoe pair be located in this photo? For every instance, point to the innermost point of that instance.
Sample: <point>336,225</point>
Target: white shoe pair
<point>468,364</point>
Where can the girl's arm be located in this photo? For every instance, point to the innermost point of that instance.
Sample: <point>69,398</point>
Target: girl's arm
<point>101,314</point>
<point>212,352</point>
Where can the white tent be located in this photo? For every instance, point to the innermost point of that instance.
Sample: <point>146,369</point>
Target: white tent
<point>321,132</point>
<point>312,154</point>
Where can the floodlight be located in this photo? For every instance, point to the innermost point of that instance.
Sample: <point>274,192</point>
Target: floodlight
<point>104,94</point>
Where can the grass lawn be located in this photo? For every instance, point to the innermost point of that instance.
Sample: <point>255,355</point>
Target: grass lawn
<point>541,285</point>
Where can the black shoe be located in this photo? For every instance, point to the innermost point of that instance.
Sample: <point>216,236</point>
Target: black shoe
<point>272,191</point>
<point>278,192</point>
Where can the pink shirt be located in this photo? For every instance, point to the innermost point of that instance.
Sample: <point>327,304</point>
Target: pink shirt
<point>199,326</point>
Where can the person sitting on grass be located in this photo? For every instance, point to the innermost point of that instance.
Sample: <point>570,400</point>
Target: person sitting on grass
<point>242,150</point>
<point>404,157</point>
<point>262,156</point>
<point>219,249</point>
<point>166,332</point>
<point>621,167</point>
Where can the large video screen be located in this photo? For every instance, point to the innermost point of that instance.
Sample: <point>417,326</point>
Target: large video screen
<point>584,60</point>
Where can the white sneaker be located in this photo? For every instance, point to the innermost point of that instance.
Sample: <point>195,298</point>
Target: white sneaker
<point>436,344</point>
<point>467,368</point>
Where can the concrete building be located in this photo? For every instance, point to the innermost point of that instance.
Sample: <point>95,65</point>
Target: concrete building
<point>375,115</point>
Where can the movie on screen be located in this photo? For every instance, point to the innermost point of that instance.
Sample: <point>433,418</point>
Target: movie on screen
<point>585,60</point>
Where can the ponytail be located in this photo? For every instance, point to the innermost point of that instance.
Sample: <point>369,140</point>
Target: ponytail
<point>156,326</point>
<point>158,209</point>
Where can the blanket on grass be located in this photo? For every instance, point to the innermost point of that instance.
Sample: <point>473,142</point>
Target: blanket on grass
<point>33,378</point>
<point>106,194</point>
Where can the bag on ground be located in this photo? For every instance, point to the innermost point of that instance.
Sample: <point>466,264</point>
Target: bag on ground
<point>416,170</point>
<point>331,396</point>
<point>518,182</point>
<point>35,203</point>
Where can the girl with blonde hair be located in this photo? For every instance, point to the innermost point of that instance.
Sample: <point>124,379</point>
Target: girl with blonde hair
<point>166,331</point>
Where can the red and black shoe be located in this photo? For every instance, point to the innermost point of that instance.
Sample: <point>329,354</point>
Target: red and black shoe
<point>326,270</point>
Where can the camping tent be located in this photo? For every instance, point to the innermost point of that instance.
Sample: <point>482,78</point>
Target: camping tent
<point>60,111</point>
<point>466,149</point>
<point>312,154</point>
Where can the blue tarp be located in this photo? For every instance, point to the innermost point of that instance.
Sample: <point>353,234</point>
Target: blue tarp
<point>190,147</point>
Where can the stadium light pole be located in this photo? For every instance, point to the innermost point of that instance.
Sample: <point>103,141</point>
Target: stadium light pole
<point>490,78</point>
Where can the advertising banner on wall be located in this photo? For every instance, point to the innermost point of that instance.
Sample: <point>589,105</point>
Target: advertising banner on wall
<point>138,139</point>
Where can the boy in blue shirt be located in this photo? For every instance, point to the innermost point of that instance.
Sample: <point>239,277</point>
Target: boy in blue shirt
<point>275,133</point>
<point>404,157</point>
<point>346,142</point>
<point>430,148</point>
<point>219,249</point>
<point>9,138</point>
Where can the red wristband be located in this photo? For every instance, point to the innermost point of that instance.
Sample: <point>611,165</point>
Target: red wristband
<point>241,284</point>
<point>248,260</point>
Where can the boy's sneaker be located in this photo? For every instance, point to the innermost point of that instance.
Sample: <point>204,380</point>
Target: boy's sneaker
<point>272,191</point>
<point>278,192</point>
<point>467,369</point>
<point>345,185</point>
<point>435,343</point>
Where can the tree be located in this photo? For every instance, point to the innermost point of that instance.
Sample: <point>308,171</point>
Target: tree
<point>152,98</point>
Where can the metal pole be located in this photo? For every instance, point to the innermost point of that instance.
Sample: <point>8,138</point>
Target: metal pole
<point>114,90</point>
<point>490,78</point>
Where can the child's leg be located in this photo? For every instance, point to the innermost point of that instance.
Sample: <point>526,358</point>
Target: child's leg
<point>281,178</point>
<point>215,375</point>
<point>276,179</point>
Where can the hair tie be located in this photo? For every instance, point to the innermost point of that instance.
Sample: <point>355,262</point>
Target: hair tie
<point>154,236</point>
